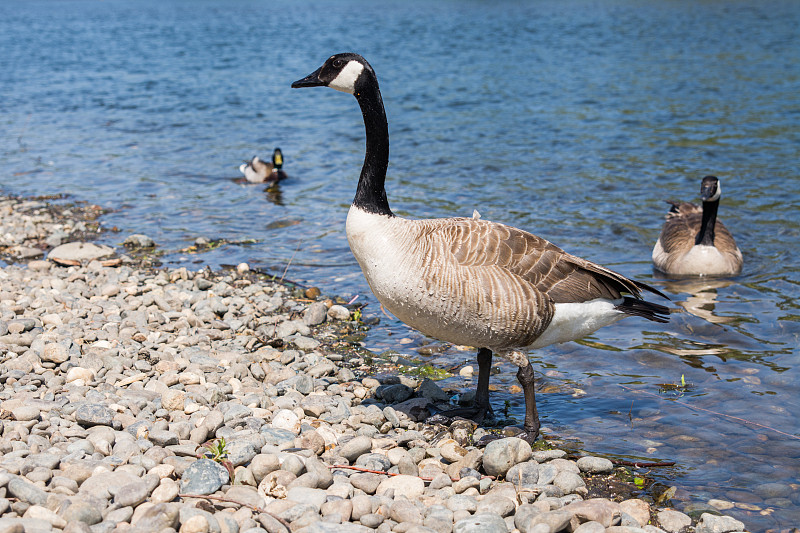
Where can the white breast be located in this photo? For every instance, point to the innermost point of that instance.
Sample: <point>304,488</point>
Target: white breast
<point>377,242</point>
<point>699,260</point>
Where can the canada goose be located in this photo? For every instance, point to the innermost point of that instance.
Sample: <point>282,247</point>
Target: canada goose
<point>693,242</point>
<point>465,280</point>
<point>259,171</point>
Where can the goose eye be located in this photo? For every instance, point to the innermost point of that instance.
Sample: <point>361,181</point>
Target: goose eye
<point>338,63</point>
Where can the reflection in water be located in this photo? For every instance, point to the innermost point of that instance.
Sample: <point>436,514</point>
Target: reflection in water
<point>702,298</point>
<point>273,194</point>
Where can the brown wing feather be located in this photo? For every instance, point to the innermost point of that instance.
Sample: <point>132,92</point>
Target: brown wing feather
<point>681,209</point>
<point>563,277</point>
<point>679,232</point>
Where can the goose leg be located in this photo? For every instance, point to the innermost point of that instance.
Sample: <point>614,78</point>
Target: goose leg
<point>481,407</point>
<point>526,379</point>
<point>482,392</point>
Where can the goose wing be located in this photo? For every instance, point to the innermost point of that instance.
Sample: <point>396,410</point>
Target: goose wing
<point>680,229</point>
<point>682,209</point>
<point>562,277</point>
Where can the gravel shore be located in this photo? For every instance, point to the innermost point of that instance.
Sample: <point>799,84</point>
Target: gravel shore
<point>140,399</point>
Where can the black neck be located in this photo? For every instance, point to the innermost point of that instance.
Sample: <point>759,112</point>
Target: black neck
<point>371,195</point>
<point>706,234</point>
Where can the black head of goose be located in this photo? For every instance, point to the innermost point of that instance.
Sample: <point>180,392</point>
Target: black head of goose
<point>259,171</point>
<point>693,242</point>
<point>470,281</point>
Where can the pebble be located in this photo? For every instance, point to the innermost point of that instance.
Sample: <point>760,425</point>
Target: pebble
<point>482,523</point>
<point>500,455</point>
<point>203,477</point>
<point>595,465</point>
<point>115,375</point>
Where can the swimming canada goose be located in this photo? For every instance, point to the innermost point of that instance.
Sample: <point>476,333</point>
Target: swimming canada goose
<point>693,242</point>
<point>259,171</point>
<point>465,280</point>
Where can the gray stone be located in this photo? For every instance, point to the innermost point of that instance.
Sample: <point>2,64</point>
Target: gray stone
<point>293,464</point>
<point>395,393</point>
<point>500,455</point>
<point>405,511</point>
<point>496,504</point>
<point>481,523</point>
<point>595,465</point>
<point>245,494</point>
<point>321,471</point>
<point>82,511</point>
<point>315,497</point>
<point>276,436</point>
<point>770,490</point>
<point>524,515</point>
<point>161,437</point>
<point>25,525</point>
<point>24,413</point>
<point>371,520</point>
<point>203,520</point>
<point>91,414</point>
<point>328,527</point>
<point>673,521</point>
<point>524,475</point>
<point>547,473</point>
<point>410,487</point>
<point>241,452</point>
<point>548,455</point>
<point>433,392</point>
<point>569,482</point>
<point>710,523</point>
<point>137,240</point>
<point>55,353</point>
<point>315,314</point>
<point>236,411</point>
<point>366,481</point>
<point>353,448</point>
<point>591,527</point>
<point>596,509</point>
<point>374,461</point>
<point>339,312</point>
<point>26,492</point>
<point>461,502</point>
<point>263,464</point>
<point>44,460</point>
<point>308,344</point>
<point>203,477</point>
<point>156,517</point>
<point>132,494</point>
<point>79,251</point>
<point>555,520</point>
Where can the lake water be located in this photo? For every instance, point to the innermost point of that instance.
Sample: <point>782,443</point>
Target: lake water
<point>574,120</point>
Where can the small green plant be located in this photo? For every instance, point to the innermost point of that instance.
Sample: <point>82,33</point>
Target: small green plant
<point>357,315</point>
<point>216,451</point>
<point>678,389</point>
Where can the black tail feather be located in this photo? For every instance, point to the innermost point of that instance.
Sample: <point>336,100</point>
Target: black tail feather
<point>645,309</point>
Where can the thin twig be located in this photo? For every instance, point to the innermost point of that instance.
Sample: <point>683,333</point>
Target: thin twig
<point>735,418</point>
<point>639,464</point>
<point>367,470</point>
<point>290,261</point>
<point>243,504</point>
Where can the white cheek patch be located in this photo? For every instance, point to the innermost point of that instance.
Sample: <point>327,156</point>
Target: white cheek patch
<point>346,80</point>
<point>716,194</point>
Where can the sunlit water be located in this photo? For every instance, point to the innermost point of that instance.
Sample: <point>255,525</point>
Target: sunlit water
<point>574,120</point>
